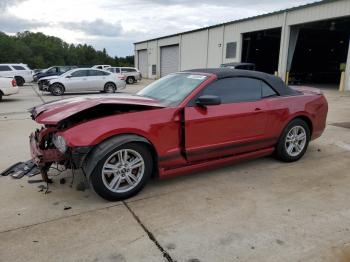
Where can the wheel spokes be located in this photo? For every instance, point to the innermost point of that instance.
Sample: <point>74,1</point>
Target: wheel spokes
<point>123,170</point>
<point>115,182</point>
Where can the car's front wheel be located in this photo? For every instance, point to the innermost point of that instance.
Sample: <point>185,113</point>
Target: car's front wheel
<point>122,172</point>
<point>294,141</point>
<point>57,89</point>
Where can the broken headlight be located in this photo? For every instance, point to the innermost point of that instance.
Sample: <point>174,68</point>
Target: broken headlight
<point>59,143</point>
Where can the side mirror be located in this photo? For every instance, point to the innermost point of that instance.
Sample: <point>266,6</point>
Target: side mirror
<point>208,100</point>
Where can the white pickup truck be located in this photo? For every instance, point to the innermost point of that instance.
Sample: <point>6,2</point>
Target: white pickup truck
<point>8,86</point>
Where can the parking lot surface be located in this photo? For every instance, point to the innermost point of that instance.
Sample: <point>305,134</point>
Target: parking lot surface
<point>260,210</point>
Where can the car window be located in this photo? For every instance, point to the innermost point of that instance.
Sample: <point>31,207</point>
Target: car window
<point>128,70</point>
<point>111,69</point>
<point>64,69</point>
<point>237,89</point>
<point>97,73</point>
<point>51,70</point>
<point>5,68</point>
<point>80,73</point>
<point>267,91</point>
<point>117,70</point>
<point>18,67</point>
<point>173,89</point>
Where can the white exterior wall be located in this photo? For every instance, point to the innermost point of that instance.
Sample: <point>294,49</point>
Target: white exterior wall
<point>215,47</point>
<point>152,57</point>
<point>201,48</point>
<point>194,48</point>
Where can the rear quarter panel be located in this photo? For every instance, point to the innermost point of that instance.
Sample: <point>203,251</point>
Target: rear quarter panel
<point>285,109</point>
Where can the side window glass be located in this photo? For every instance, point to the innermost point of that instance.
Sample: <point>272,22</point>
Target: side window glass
<point>266,90</point>
<point>80,73</point>
<point>233,90</point>
<point>5,68</point>
<point>19,67</point>
<point>96,73</point>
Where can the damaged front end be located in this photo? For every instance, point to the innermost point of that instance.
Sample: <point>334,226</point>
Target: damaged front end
<point>48,147</point>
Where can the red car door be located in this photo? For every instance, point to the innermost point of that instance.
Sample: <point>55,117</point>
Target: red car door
<point>235,126</point>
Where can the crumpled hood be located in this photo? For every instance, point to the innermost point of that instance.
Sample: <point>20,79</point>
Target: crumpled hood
<point>49,77</point>
<point>53,112</point>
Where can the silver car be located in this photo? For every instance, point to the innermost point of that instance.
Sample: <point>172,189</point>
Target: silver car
<point>131,74</point>
<point>81,80</point>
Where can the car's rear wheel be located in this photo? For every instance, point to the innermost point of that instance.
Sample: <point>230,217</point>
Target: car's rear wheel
<point>130,80</point>
<point>57,89</point>
<point>294,141</point>
<point>110,88</point>
<point>122,172</point>
<point>19,80</point>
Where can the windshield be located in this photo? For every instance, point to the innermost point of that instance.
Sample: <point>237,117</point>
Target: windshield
<point>173,89</point>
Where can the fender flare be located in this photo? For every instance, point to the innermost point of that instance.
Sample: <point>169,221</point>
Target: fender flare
<point>106,146</point>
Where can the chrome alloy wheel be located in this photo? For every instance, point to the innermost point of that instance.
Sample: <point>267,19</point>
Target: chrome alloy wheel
<point>57,90</point>
<point>123,170</point>
<point>295,140</point>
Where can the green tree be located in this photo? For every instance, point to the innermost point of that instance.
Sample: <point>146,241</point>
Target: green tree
<point>42,51</point>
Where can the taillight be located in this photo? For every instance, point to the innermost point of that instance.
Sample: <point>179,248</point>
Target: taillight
<point>121,77</point>
<point>13,82</point>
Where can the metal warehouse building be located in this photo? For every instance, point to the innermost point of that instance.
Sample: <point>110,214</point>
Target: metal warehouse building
<point>308,43</point>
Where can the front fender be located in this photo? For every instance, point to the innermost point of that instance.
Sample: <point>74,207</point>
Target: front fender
<point>106,146</point>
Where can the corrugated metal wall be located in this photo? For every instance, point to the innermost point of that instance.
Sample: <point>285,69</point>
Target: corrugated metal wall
<point>207,47</point>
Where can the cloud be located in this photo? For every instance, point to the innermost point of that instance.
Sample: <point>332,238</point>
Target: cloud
<point>4,4</point>
<point>116,24</point>
<point>12,24</point>
<point>97,27</point>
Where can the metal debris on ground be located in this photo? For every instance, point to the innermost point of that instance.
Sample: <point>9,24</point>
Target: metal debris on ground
<point>21,169</point>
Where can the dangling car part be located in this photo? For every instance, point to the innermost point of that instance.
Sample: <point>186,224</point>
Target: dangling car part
<point>184,122</point>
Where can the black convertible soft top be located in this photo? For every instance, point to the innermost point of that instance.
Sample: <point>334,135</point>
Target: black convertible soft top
<point>275,82</point>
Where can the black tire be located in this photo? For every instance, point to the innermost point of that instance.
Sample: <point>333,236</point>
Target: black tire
<point>0,96</point>
<point>130,80</point>
<point>281,149</point>
<point>19,80</point>
<point>96,177</point>
<point>57,89</point>
<point>110,88</point>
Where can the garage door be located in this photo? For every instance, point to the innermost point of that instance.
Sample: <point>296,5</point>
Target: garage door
<point>143,63</point>
<point>169,60</point>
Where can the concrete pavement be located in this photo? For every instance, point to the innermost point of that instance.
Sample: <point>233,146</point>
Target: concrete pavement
<point>261,210</point>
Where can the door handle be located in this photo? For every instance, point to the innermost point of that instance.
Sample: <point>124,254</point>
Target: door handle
<point>257,109</point>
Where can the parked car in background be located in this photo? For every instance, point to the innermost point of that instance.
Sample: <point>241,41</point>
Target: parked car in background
<point>8,86</point>
<point>53,71</point>
<point>20,72</point>
<point>131,74</point>
<point>242,66</point>
<point>101,66</point>
<point>183,122</point>
<point>81,80</point>
<point>35,71</point>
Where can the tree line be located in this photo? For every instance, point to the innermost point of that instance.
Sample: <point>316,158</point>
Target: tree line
<point>42,51</point>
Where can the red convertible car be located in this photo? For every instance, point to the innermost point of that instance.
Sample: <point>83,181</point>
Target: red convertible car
<point>184,122</point>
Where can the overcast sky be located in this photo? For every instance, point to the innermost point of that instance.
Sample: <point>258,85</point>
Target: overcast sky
<point>115,24</point>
